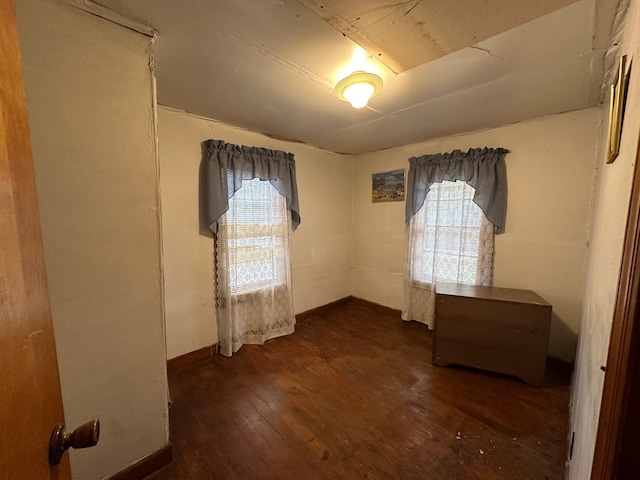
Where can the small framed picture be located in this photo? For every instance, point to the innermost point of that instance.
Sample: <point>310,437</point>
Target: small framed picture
<point>388,186</point>
<point>616,111</point>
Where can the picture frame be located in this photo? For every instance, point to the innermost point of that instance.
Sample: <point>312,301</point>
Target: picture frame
<point>616,110</point>
<point>388,186</point>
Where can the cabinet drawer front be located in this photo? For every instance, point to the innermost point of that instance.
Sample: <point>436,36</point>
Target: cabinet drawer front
<point>503,337</point>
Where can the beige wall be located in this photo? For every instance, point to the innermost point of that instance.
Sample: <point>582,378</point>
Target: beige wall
<point>89,101</point>
<point>543,249</point>
<point>550,174</point>
<point>320,248</point>
<point>605,253</point>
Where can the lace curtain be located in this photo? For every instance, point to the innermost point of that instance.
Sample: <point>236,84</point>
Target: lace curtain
<point>450,240</point>
<point>253,229</point>
<point>456,202</point>
<point>254,301</point>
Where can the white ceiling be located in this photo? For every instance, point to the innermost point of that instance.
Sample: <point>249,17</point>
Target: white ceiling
<point>271,66</point>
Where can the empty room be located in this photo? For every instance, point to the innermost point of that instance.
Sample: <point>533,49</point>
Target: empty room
<point>306,239</point>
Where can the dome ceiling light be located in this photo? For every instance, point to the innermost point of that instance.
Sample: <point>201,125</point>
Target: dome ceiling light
<point>358,88</point>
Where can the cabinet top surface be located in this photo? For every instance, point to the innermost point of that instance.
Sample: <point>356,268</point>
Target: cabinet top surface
<point>490,293</point>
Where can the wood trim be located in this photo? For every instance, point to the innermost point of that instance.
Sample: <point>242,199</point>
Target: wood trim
<point>148,465</point>
<point>207,352</point>
<point>624,347</point>
<point>196,355</point>
<point>314,312</point>
<point>377,307</point>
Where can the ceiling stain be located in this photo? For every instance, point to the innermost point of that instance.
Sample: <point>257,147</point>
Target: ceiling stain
<point>407,34</point>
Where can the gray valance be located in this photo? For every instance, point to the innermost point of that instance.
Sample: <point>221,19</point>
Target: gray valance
<point>227,165</point>
<point>482,168</point>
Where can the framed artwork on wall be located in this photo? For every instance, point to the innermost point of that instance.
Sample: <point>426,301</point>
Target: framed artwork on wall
<point>388,186</point>
<point>616,110</point>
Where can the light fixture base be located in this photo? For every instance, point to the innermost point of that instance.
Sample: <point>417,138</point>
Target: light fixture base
<point>358,77</point>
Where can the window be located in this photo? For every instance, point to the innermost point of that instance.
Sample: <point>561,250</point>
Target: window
<point>254,300</point>
<point>451,239</point>
<point>258,249</point>
<point>252,220</point>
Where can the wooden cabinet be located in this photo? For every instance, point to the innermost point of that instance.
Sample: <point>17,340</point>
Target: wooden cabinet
<point>497,329</point>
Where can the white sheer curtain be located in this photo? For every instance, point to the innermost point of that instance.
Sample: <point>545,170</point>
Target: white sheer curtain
<point>254,300</point>
<point>450,240</point>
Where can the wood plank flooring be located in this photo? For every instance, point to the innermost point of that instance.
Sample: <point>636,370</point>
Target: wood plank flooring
<point>352,394</point>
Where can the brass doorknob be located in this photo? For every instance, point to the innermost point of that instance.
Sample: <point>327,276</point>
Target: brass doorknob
<point>84,436</point>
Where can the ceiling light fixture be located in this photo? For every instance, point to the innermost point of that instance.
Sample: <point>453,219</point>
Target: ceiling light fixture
<point>358,88</point>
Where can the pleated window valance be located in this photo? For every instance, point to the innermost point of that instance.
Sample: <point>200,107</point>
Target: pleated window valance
<point>482,168</point>
<point>228,165</point>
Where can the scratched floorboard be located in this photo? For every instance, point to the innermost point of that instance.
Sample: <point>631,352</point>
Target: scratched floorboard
<point>352,394</point>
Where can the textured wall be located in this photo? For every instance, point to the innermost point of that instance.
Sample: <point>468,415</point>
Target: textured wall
<point>89,98</point>
<point>320,247</point>
<point>550,175</point>
<point>606,240</point>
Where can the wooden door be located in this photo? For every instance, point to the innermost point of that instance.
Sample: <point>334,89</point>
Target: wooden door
<point>30,399</point>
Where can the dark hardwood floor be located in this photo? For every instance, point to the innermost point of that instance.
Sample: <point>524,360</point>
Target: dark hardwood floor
<point>352,394</point>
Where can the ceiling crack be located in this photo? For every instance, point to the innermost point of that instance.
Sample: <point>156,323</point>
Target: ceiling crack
<point>395,9</point>
<point>409,11</point>
<point>285,62</point>
<point>491,54</point>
